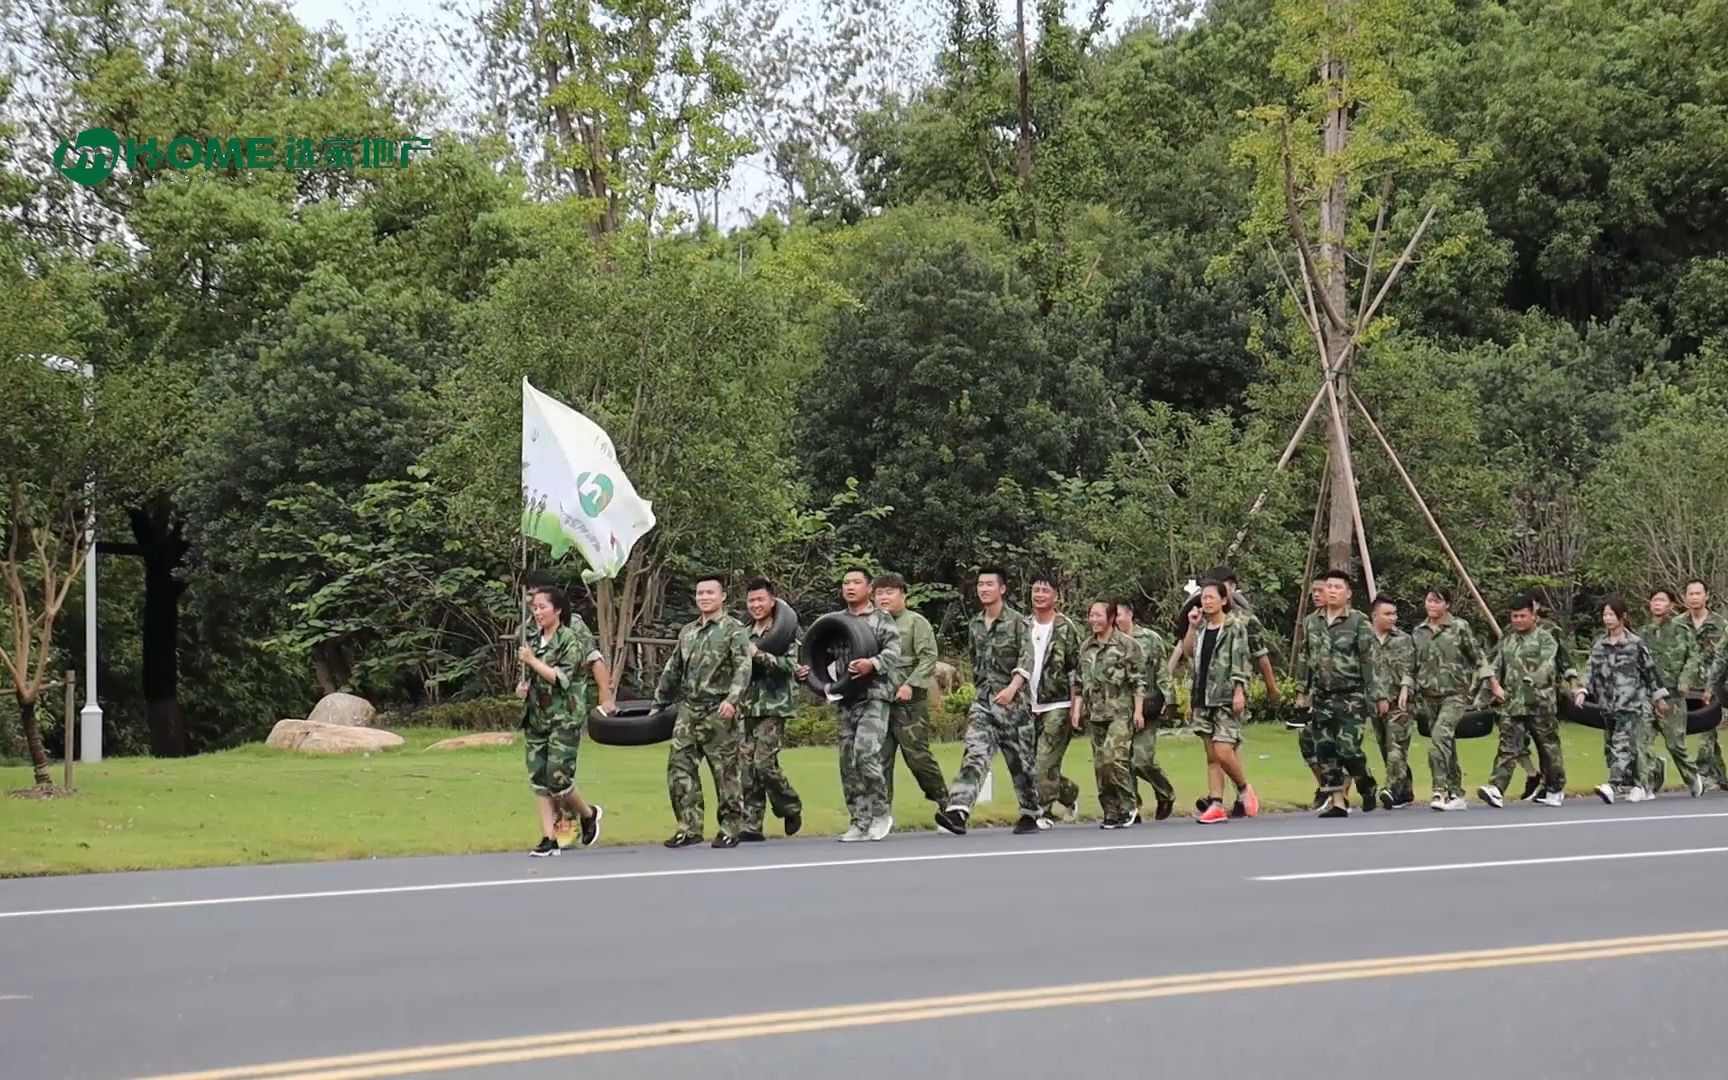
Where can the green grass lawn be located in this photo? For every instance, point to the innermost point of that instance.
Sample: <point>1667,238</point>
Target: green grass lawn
<point>255,805</point>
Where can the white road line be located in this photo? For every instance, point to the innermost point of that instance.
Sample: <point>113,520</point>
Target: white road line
<point>822,864</point>
<point>16,997</point>
<point>1380,870</point>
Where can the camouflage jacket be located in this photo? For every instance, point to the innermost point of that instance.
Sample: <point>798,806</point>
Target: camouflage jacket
<point>1341,657</point>
<point>709,665</point>
<point>570,652</point>
<point>1230,667</point>
<point>1155,656</point>
<point>1674,647</point>
<point>1109,674</point>
<point>1396,658</point>
<point>772,681</point>
<point>1565,668</point>
<point>1061,662</point>
<point>881,685</point>
<point>1524,664</point>
<point>1623,675</point>
<point>1255,629</point>
<point>917,649</point>
<point>1712,636</point>
<point>1000,651</point>
<point>1448,660</point>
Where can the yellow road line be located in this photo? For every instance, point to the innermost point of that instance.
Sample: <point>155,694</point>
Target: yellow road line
<point>470,1055</point>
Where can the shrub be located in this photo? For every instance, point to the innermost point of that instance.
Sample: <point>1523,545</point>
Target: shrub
<point>811,725</point>
<point>473,714</point>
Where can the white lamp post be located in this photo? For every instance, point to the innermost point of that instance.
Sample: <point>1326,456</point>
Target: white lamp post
<point>89,717</point>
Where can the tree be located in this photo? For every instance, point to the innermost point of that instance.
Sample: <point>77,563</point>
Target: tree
<point>686,363</point>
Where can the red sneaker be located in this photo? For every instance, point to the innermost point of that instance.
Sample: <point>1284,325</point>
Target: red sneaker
<point>1213,814</point>
<point>1250,802</point>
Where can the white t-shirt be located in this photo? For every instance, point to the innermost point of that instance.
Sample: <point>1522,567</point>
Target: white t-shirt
<point>1041,634</point>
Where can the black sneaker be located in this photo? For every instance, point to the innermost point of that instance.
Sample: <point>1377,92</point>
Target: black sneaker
<point>1321,798</point>
<point>794,822</point>
<point>725,840</point>
<point>1532,788</point>
<point>591,827</point>
<point>1201,804</point>
<point>1132,819</point>
<point>1109,823</point>
<point>1238,810</point>
<point>683,839</point>
<point>1387,800</point>
<point>1334,812</point>
<point>1026,824</point>
<point>1164,809</point>
<point>951,821</point>
<point>750,837</point>
<point>1368,792</point>
<point>545,848</point>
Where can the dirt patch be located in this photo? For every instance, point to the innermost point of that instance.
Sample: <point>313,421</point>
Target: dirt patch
<point>52,791</point>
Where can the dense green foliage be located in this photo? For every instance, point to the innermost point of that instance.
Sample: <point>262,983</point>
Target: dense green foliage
<point>957,339</point>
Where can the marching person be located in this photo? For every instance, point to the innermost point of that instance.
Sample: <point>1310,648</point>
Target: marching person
<point>1623,682</point>
<point>561,664</point>
<point>706,677</point>
<point>1566,672</point>
<point>1524,686</point>
<point>1396,656</point>
<point>1448,663</point>
<point>1001,645</point>
<point>1109,696</point>
<point>862,719</point>
<point>1338,670</point>
<point>1679,668</point>
<point>1711,631</point>
<point>1218,699</point>
<point>1159,694</point>
<point>1305,744</point>
<point>1055,649</point>
<point>909,713</point>
<point>767,706</point>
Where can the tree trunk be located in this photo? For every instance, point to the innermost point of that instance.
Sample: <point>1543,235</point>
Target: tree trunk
<point>1340,528</point>
<point>330,666</point>
<point>33,740</point>
<point>1024,155</point>
<point>163,549</point>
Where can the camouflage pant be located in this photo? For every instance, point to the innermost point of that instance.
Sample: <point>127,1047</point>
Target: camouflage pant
<point>909,731</point>
<point>551,757</point>
<point>1393,732</point>
<point>1338,742</point>
<point>1305,744</point>
<point>1673,731</point>
<point>1054,733</point>
<point>1623,745</point>
<point>1443,713</point>
<point>1709,757</point>
<point>1112,749</point>
<point>989,728</point>
<point>863,729</point>
<point>1144,760</point>
<point>1515,732</point>
<point>699,734</point>
<point>760,775</point>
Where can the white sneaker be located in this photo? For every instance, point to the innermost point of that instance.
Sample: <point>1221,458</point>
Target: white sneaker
<point>1550,798</point>
<point>1491,795</point>
<point>1044,822</point>
<point>1638,794</point>
<point>1606,793</point>
<point>853,835</point>
<point>881,827</point>
<point>1438,802</point>
<point>1456,802</point>
<point>1696,787</point>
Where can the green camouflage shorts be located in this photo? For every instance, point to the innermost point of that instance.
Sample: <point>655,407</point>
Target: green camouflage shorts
<point>1217,723</point>
<point>551,757</point>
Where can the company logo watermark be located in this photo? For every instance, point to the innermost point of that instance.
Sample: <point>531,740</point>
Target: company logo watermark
<point>93,156</point>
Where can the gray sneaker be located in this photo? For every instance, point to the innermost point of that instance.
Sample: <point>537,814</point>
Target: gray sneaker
<point>881,827</point>
<point>853,835</point>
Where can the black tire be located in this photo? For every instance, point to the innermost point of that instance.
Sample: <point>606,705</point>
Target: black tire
<point>782,632</point>
<point>1587,714</point>
<point>1179,627</point>
<point>1700,719</point>
<point>842,637</point>
<point>633,723</point>
<point>1474,724</point>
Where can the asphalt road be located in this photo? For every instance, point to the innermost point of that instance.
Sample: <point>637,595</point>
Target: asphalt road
<point>924,937</point>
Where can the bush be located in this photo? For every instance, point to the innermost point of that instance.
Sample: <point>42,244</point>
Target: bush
<point>811,725</point>
<point>948,723</point>
<point>473,714</point>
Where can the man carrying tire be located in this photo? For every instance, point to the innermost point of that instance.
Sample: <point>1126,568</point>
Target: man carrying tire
<point>706,676</point>
<point>1396,655</point>
<point>1679,669</point>
<point>1160,691</point>
<point>1525,687</point>
<point>909,712</point>
<point>767,707</point>
<point>1001,645</point>
<point>1338,671</point>
<point>1055,655</point>
<point>862,718</point>
<point>1711,632</point>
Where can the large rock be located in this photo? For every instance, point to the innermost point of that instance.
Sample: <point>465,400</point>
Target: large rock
<point>344,709</point>
<point>310,737</point>
<point>485,738</point>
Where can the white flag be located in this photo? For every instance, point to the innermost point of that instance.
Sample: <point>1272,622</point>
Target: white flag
<point>574,492</point>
